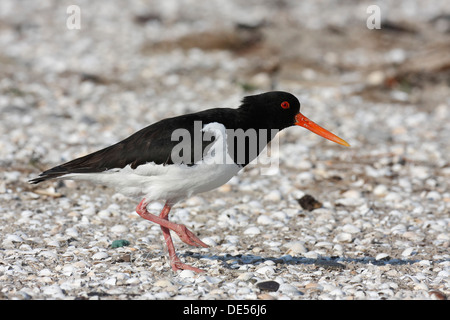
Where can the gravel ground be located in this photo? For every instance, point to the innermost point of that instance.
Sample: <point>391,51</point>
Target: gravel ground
<point>381,228</point>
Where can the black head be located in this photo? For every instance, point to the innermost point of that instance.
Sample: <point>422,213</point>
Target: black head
<point>272,110</point>
<point>279,110</point>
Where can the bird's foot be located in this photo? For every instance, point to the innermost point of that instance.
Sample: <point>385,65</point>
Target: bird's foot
<point>187,236</point>
<point>176,264</point>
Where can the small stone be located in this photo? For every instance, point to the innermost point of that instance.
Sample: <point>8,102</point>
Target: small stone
<point>343,237</point>
<point>120,243</point>
<point>245,276</point>
<point>90,211</point>
<point>124,258</point>
<point>110,281</point>
<point>407,252</point>
<point>433,195</point>
<point>289,289</point>
<point>72,232</point>
<point>380,190</point>
<point>45,273</point>
<point>133,281</point>
<point>187,274</point>
<point>213,280</point>
<point>313,286</point>
<point>349,202</point>
<point>68,270</point>
<point>252,231</point>
<point>382,256</point>
<point>80,264</point>
<point>209,241</point>
<point>13,238</point>
<point>48,254</point>
<point>100,255</point>
<point>352,194</point>
<point>266,270</point>
<point>308,203</point>
<point>264,219</point>
<point>163,283</point>
<point>336,292</point>
<point>295,248</point>
<point>413,236</point>
<point>273,195</point>
<point>268,285</point>
<point>104,214</point>
<point>53,290</point>
<point>53,243</point>
<point>375,78</point>
<point>351,229</point>
<point>119,228</point>
<point>311,255</point>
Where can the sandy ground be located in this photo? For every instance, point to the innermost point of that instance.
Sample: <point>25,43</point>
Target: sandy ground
<point>381,228</point>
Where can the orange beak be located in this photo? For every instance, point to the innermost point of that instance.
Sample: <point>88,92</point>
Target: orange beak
<point>302,121</point>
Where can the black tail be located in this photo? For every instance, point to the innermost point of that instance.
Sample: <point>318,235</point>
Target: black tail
<point>95,162</point>
<point>49,174</point>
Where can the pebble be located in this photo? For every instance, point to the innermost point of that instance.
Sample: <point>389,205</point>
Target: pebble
<point>186,274</point>
<point>90,211</point>
<point>349,228</point>
<point>209,241</point>
<point>101,255</point>
<point>163,283</point>
<point>265,220</point>
<point>295,248</point>
<point>408,252</point>
<point>273,195</point>
<point>309,203</point>
<point>343,237</point>
<point>252,231</point>
<point>213,280</point>
<point>119,228</point>
<point>110,281</point>
<point>289,289</point>
<point>245,276</point>
<point>266,270</point>
<point>48,254</point>
<point>45,273</point>
<point>270,285</point>
<point>54,291</point>
<point>352,194</point>
<point>382,256</point>
<point>13,238</point>
<point>350,202</point>
<point>433,195</point>
<point>72,232</point>
<point>120,243</point>
<point>311,255</point>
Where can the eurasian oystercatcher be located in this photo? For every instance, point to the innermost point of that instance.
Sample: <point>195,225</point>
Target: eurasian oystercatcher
<point>156,164</point>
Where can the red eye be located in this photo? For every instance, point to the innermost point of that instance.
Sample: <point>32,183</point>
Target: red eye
<point>285,105</point>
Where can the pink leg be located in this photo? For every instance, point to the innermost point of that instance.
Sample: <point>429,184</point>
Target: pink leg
<point>184,234</point>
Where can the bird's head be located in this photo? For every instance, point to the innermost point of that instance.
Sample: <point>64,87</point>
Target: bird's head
<point>279,110</point>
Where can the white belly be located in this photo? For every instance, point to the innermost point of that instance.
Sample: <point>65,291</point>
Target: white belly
<point>159,182</point>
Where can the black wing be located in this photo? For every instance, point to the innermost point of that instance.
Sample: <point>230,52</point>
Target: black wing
<point>151,144</point>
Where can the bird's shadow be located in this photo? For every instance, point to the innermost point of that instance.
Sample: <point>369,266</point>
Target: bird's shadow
<point>332,263</point>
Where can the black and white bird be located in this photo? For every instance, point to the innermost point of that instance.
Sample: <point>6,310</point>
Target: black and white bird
<point>178,157</point>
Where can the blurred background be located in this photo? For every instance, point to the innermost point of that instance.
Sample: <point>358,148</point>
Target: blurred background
<point>65,92</point>
<point>384,203</point>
